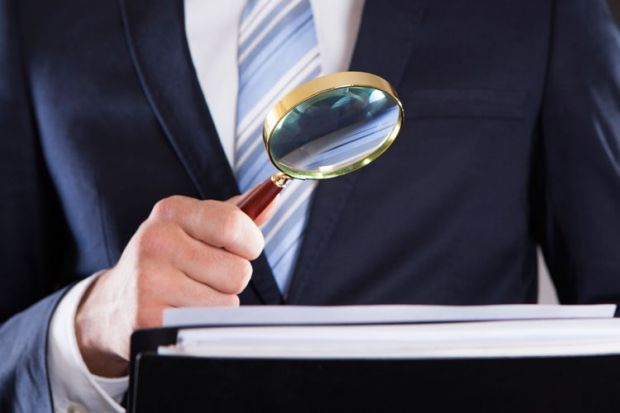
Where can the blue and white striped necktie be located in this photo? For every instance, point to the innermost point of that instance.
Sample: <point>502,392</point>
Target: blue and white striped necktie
<point>278,50</point>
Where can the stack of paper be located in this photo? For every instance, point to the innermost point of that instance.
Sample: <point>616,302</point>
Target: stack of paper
<point>395,331</point>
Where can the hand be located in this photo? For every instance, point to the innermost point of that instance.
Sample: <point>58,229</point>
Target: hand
<point>187,253</point>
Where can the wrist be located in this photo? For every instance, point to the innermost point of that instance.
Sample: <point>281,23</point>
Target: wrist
<point>95,333</point>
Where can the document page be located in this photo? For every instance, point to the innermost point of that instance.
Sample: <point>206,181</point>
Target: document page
<point>517,338</point>
<point>395,331</point>
<point>283,314</point>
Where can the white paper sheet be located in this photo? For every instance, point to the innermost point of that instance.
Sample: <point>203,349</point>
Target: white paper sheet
<point>521,338</point>
<point>396,331</point>
<point>262,315</point>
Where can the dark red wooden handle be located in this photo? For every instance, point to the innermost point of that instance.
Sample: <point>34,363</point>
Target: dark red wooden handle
<point>260,197</point>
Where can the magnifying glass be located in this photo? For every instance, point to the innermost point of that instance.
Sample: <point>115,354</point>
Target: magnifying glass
<point>324,128</point>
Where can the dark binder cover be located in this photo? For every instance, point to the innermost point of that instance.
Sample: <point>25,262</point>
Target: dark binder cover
<point>532,384</point>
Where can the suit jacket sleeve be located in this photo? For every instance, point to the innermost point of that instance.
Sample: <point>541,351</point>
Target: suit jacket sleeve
<point>580,146</point>
<point>28,223</point>
<point>24,384</point>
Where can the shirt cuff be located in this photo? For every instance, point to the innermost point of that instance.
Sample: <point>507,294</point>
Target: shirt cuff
<point>74,388</point>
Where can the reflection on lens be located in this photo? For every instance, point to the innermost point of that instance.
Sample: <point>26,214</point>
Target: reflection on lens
<point>334,130</point>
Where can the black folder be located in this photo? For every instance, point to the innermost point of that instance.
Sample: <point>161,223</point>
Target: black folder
<point>173,383</point>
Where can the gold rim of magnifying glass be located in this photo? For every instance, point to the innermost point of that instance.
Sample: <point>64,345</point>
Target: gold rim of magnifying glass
<point>313,88</point>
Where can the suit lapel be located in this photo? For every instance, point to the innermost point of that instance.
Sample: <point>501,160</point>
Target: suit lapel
<point>383,47</point>
<point>157,42</point>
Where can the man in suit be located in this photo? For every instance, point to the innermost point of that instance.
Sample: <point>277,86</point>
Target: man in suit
<point>511,139</point>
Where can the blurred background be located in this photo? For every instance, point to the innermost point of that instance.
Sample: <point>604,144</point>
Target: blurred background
<point>615,8</point>
<point>546,292</point>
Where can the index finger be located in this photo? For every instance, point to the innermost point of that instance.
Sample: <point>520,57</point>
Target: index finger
<point>216,223</point>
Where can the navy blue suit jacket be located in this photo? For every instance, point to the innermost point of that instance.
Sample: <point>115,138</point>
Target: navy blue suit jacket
<point>511,138</point>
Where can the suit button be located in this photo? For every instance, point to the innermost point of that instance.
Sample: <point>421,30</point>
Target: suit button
<point>76,408</point>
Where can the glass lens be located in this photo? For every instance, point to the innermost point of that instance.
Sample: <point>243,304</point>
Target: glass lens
<point>335,132</point>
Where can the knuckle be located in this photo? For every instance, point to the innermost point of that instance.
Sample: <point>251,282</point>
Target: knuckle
<point>231,225</point>
<point>257,248</point>
<point>151,239</point>
<point>245,273</point>
<point>240,276</point>
<point>210,204</point>
<point>167,207</point>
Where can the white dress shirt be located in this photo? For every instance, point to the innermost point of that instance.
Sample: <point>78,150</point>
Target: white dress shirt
<point>212,32</point>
